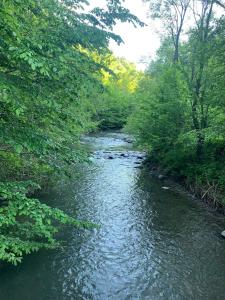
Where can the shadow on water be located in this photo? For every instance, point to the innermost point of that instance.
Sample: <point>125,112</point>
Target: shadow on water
<point>152,243</point>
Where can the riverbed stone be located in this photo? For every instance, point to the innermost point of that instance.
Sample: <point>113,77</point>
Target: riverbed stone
<point>223,234</point>
<point>140,157</point>
<point>124,155</point>
<point>110,157</point>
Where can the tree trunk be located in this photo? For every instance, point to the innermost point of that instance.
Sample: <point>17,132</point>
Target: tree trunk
<point>200,145</point>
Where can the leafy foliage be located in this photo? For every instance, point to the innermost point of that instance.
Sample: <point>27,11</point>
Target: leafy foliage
<point>180,112</point>
<point>116,103</point>
<point>26,224</point>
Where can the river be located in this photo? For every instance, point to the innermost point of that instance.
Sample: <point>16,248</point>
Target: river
<point>152,243</point>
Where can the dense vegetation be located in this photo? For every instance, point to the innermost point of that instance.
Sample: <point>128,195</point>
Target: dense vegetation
<point>116,103</point>
<point>180,113</point>
<point>49,85</point>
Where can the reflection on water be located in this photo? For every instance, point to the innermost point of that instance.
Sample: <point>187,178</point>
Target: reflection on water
<point>152,243</point>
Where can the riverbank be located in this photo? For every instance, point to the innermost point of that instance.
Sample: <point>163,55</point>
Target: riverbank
<point>209,194</point>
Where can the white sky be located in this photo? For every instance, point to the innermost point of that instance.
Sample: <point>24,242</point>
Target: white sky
<point>140,42</point>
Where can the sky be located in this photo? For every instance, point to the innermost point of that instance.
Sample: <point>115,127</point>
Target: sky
<point>140,43</point>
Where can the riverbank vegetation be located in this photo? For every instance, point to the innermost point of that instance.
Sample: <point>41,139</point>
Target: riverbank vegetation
<point>180,102</point>
<point>49,84</point>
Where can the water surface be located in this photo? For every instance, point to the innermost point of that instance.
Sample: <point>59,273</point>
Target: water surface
<point>152,243</point>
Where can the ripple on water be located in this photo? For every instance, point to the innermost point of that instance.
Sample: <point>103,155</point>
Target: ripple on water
<point>152,243</point>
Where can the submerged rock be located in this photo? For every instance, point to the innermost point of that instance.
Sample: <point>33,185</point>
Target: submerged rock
<point>140,157</point>
<point>128,140</point>
<point>161,177</point>
<point>124,155</point>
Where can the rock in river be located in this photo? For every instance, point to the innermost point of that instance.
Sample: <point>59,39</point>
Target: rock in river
<point>223,234</point>
<point>110,157</point>
<point>165,188</point>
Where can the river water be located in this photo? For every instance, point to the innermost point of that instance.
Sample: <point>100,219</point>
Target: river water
<point>152,244</point>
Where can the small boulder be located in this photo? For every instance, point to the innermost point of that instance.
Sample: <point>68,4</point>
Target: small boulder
<point>223,234</point>
<point>124,155</point>
<point>161,177</point>
<point>110,157</point>
<point>129,141</point>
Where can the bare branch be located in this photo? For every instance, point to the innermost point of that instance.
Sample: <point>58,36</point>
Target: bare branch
<point>220,4</point>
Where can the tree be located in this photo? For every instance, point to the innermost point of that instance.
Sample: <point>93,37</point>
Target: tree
<point>47,83</point>
<point>116,102</point>
<point>200,54</point>
<point>172,13</point>
<point>180,116</point>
